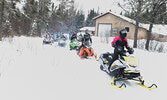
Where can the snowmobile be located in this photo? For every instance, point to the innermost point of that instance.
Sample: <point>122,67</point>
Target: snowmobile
<point>87,52</point>
<point>124,68</point>
<point>55,38</point>
<point>47,40</point>
<point>62,41</point>
<point>74,45</point>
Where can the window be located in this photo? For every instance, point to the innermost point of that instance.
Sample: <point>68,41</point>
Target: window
<point>127,29</point>
<point>114,30</point>
<point>161,36</point>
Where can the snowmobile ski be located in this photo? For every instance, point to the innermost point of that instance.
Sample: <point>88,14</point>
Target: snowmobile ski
<point>153,86</point>
<point>121,87</point>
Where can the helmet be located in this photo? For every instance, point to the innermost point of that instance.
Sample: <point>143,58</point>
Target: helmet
<point>86,31</point>
<point>123,33</point>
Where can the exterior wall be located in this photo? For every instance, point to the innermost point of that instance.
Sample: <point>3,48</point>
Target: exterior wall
<point>119,24</point>
<point>158,38</point>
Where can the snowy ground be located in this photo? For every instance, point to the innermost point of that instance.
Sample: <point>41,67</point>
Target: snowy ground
<point>32,71</point>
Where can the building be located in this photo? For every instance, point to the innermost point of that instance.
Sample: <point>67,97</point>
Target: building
<point>109,24</point>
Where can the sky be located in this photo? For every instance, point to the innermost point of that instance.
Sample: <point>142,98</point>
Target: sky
<point>102,5</point>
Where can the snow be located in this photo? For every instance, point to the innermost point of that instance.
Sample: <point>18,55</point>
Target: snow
<point>20,5</point>
<point>32,71</point>
<point>157,28</point>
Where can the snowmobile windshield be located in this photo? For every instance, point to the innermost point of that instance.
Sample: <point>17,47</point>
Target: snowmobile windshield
<point>131,61</point>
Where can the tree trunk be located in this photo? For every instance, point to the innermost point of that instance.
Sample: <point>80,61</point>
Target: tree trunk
<point>148,37</point>
<point>1,21</point>
<point>135,35</point>
<point>139,7</point>
<point>38,29</point>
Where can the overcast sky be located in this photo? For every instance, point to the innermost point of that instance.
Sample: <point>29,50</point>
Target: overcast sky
<point>103,5</point>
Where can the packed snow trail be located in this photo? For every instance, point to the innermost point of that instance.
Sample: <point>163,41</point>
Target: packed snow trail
<point>32,71</point>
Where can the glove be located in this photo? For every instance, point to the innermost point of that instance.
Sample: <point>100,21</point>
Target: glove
<point>130,50</point>
<point>114,45</point>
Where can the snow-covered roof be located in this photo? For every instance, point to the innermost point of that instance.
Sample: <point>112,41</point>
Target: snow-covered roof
<point>117,15</point>
<point>89,28</point>
<point>157,28</point>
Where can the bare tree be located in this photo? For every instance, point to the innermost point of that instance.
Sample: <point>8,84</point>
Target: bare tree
<point>134,10</point>
<point>155,12</point>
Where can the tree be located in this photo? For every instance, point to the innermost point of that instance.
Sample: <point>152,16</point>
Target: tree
<point>14,17</point>
<point>135,10</point>
<point>2,17</point>
<point>71,16</point>
<point>29,16</point>
<point>59,17</point>
<point>89,20</point>
<point>155,14</point>
<point>37,12</point>
<point>79,20</point>
<point>38,17</point>
<point>64,17</point>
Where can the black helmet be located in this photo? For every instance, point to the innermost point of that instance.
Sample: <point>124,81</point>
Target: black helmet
<point>123,33</point>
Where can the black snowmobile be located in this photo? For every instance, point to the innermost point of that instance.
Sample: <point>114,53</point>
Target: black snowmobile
<point>122,69</point>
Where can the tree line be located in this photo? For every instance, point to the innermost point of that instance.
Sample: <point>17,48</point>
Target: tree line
<point>36,17</point>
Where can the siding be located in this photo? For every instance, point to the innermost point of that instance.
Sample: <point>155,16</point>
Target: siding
<point>120,24</point>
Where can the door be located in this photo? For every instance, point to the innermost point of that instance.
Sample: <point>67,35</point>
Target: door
<point>104,30</point>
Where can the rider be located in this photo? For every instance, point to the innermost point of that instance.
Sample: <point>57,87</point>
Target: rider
<point>119,43</point>
<point>86,40</point>
<point>74,36</point>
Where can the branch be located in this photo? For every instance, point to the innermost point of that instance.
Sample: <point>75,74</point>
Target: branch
<point>122,8</point>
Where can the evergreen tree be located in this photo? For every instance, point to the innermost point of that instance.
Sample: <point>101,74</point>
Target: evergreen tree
<point>2,9</point>
<point>64,17</point>
<point>79,20</point>
<point>14,17</point>
<point>37,12</point>
<point>89,21</point>
<point>39,16</point>
<point>30,14</point>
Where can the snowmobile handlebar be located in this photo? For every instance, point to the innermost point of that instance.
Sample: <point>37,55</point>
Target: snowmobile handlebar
<point>121,50</point>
